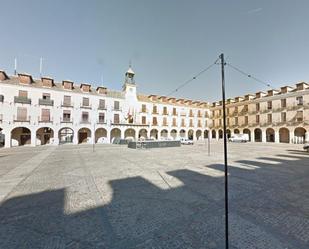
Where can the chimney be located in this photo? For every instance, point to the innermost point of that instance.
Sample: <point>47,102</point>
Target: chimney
<point>101,90</point>
<point>67,84</point>
<point>271,92</point>
<point>47,82</point>
<point>3,75</point>
<point>25,78</point>
<point>85,87</point>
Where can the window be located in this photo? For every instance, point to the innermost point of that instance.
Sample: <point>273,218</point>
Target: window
<point>236,120</point>
<point>220,122</point>
<point>164,110</point>
<point>228,121</point>
<point>199,124</point>
<point>299,116</point>
<point>257,107</point>
<point>143,120</point>
<point>23,94</point>
<point>174,121</point>
<point>299,100</point>
<point>246,120</point>
<point>269,118</point>
<point>191,113</point>
<point>257,119</point>
<point>236,109</point>
<point>269,105</point>
<point>21,113</point>
<point>245,108</point>
<point>101,117</point>
<point>102,104</point>
<point>144,109</point>
<point>67,115</point>
<point>45,115</point>
<point>183,122</point>
<point>283,116</point>
<point>154,121</point>
<point>85,101</point>
<point>116,106</point>
<point>165,121</point>
<point>116,117</point>
<point>199,113</point>
<point>154,109</point>
<point>191,123</point>
<point>46,96</point>
<point>283,103</point>
<point>67,100</point>
<point>227,111</point>
<point>174,111</point>
<point>85,116</point>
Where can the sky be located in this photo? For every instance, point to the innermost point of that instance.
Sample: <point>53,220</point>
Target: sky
<point>166,41</point>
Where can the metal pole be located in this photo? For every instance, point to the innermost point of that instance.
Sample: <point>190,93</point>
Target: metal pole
<point>225,157</point>
<point>208,143</point>
<point>15,66</point>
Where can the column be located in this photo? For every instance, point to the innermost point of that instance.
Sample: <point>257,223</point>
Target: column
<point>56,138</point>
<point>75,137</point>
<point>252,136</point>
<point>7,139</point>
<point>292,136</point>
<point>33,138</point>
<point>277,137</point>
<point>263,136</point>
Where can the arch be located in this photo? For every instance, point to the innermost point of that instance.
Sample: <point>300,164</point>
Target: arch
<point>115,134</point>
<point>154,134</point>
<point>129,134</point>
<point>284,135</point>
<point>174,134</point>
<point>84,135</point>
<point>191,134</point>
<point>164,134</point>
<point>198,134</point>
<point>206,134</point>
<point>142,134</point>
<point>228,133</point>
<point>236,131</point>
<point>257,135</point>
<point>66,135</point>
<point>213,134</point>
<point>299,135</point>
<point>270,135</point>
<point>20,136</point>
<point>100,135</point>
<point>182,133</point>
<point>44,135</point>
<point>220,134</point>
<point>2,138</point>
<point>248,132</point>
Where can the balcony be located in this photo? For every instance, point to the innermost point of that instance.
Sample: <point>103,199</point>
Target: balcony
<point>102,107</point>
<point>21,119</point>
<point>101,121</point>
<point>175,114</point>
<point>86,107</point>
<point>165,113</point>
<point>155,112</point>
<point>67,105</point>
<point>66,120</point>
<point>116,109</point>
<point>22,100</point>
<point>48,102</point>
<point>45,120</point>
<point>295,107</point>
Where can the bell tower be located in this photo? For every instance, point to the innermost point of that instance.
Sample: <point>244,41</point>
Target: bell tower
<point>129,86</point>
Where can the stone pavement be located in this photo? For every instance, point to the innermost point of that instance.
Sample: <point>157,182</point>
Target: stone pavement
<point>115,197</point>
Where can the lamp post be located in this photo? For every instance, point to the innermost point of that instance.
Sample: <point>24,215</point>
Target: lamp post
<point>225,157</point>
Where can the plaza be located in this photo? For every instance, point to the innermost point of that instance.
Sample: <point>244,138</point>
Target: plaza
<point>70,196</point>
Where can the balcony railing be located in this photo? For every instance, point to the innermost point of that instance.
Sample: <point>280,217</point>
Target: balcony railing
<point>101,121</point>
<point>70,105</point>
<point>21,119</point>
<point>102,107</point>
<point>22,100</point>
<point>66,120</point>
<point>48,102</point>
<point>116,109</point>
<point>45,120</point>
<point>86,106</point>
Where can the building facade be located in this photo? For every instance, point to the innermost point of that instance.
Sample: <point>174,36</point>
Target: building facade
<point>41,111</point>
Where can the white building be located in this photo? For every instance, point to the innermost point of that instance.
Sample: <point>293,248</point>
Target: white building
<point>40,111</point>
